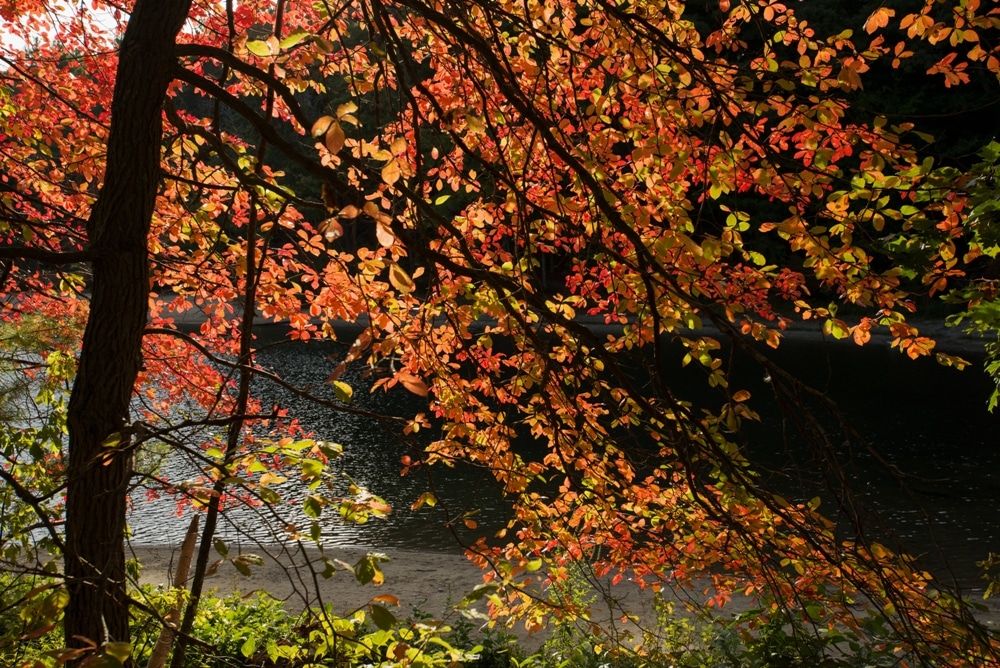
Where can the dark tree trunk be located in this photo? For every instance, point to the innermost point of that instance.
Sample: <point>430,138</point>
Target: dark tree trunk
<point>99,453</point>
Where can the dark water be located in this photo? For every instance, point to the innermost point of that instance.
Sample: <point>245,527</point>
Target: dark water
<point>940,493</point>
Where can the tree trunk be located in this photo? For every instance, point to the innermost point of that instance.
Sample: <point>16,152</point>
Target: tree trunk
<point>100,459</point>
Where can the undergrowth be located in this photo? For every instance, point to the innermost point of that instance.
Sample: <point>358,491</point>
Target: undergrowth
<point>236,631</point>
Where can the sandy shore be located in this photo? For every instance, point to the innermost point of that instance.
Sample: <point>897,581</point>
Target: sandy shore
<point>428,582</point>
<point>431,582</point>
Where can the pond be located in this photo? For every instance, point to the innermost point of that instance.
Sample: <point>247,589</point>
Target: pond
<point>932,471</point>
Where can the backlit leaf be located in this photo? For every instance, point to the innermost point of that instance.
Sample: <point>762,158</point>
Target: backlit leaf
<point>259,48</point>
<point>335,137</point>
<point>293,38</point>
<point>400,279</point>
<point>322,124</point>
<point>413,383</point>
<point>343,391</point>
<point>390,172</point>
<point>384,235</point>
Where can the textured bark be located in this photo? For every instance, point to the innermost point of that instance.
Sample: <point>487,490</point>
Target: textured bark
<point>100,459</point>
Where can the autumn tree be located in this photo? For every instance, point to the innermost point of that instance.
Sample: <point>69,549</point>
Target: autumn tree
<point>526,164</point>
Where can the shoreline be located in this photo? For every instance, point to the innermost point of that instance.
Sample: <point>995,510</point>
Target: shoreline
<point>427,585</point>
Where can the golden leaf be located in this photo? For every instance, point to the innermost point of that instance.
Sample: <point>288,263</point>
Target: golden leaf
<point>321,125</point>
<point>390,173</point>
<point>335,138</point>
<point>400,279</point>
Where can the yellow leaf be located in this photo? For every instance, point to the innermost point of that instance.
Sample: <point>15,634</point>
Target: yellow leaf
<point>475,124</point>
<point>400,279</point>
<point>346,108</point>
<point>260,48</point>
<point>427,498</point>
<point>390,173</point>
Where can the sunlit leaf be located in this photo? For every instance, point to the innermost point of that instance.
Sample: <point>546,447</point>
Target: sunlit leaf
<point>400,279</point>
<point>260,48</point>
<point>368,569</point>
<point>295,37</point>
<point>335,137</point>
<point>321,126</point>
<point>343,391</point>
<point>390,172</point>
<point>346,108</point>
<point>426,498</point>
<point>331,229</point>
<point>384,235</point>
<point>413,383</point>
<point>312,506</point>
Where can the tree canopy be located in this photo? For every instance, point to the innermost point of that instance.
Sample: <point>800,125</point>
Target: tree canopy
<point>477,183</point>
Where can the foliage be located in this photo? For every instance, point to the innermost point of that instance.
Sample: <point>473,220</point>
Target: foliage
<point>256,630</point>
<point>536,201</point>
<point>37,363</point>
<point>981,314</point>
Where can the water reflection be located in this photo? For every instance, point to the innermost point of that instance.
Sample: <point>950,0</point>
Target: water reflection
<point>372,458</point>
<point>926,422</point>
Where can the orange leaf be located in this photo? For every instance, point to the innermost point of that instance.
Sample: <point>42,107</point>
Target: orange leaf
<point>413,383</point>
<point>384,235</point>
<point>862,335</point>
<point>879,19</point>
<point>386,599</point>
<point>321,125</point>
<point>335,138</point>
<point>331,229</point>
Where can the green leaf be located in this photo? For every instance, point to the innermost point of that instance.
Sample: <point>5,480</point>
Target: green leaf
<point>259,48</point>
<point>221,548</point>
<point>331,450</point>
<point>244,561</point>
<point>383,619</point>
<point>293,38</point>
<point>268,495</point>
<point>479,592</point>
<point>311,468</point>
<point>368,570</point>
<point>54,603</point>
<point>312,506</point>
<point>343,391</point>
<point>118,650</point>
<point>248,647</point>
